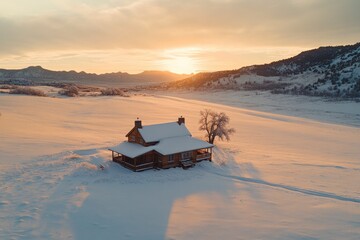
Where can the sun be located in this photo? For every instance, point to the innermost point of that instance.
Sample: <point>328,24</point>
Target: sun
<point>180,61</point>
<point>181,65</point>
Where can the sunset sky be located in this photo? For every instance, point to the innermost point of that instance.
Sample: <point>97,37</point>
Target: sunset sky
<point>180,36</point>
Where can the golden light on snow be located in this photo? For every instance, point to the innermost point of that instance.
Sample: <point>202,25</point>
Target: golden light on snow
<point>201,208</point>
<point>278,175</point>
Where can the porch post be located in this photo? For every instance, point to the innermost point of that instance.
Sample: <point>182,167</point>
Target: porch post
<point>210,159</point>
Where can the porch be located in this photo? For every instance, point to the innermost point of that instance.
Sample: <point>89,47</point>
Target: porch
<point>136,164</point>
<point>203,154</point>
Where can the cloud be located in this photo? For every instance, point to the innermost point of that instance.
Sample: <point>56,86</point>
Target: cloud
<point>168,24</point>
<point>157,25</point>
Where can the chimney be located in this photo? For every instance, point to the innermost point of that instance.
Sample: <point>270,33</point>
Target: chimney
<point>181,120</point>
<point>138,123</point>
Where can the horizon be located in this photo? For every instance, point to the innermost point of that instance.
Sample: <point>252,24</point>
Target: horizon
<point>80,71</point>
<point>164,71</point>
<point>183,38</point>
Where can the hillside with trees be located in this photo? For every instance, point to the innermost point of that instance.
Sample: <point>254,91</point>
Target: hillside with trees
<point>325,71</point>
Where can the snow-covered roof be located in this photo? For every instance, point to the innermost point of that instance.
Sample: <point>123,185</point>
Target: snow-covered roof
<point>180,144</point>
<point>156,132</point>
<point>131,149</point>
<point>166,146</point>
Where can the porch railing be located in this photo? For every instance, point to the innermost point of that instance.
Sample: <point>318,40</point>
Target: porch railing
<point>203,156</point>
<point>139,167</point>
<point>117,159</point>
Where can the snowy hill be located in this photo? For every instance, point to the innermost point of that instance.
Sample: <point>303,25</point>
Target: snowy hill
<point>326,71</point>
<point>36,75</point>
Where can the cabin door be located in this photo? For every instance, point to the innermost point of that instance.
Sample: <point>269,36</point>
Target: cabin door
<point>156,161</point>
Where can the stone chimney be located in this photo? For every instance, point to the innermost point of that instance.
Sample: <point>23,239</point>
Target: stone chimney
<point>138,123</point>
<point>181,120</point>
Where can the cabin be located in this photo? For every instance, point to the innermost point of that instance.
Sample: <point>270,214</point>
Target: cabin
<point>163,145</point>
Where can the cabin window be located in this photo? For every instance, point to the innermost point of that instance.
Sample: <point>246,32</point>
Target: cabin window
<point>132,138</point>
<point>186,155</point>
<point>171,158</point>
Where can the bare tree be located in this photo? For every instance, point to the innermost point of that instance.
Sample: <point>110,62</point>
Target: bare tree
<point>215,125</point>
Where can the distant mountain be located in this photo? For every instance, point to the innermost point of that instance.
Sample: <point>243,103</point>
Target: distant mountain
<point>37,75</point>
<point>326,71</point>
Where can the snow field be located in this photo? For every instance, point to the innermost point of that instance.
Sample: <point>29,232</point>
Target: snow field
<point>280,177</point>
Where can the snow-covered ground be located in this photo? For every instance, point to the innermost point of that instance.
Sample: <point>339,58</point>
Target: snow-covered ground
<point>315,108</point>
<point>281,177</point>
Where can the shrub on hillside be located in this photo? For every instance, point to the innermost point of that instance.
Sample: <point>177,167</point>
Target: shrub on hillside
<point>113,92</point>
<point>7,86</point>
<point>28,91</point>
<point>70,91</point>
<point>88,89</point>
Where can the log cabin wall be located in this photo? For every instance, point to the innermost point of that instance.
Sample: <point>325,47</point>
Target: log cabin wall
<point>158,160</point>
<point>193,156</point>
<point>145,158</point>
<point>135,137</point>
<point>164,160</point>
<point>167,163</point>
<point>174,162</point>
<point>154,159</point>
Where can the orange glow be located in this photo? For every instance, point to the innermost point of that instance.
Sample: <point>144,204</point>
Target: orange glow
<point>180,60</point>
<point>201,208</point>
<point>136,35</point>
<point>180,65</point>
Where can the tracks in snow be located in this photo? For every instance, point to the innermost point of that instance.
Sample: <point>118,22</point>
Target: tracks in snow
<point>290,188</point>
